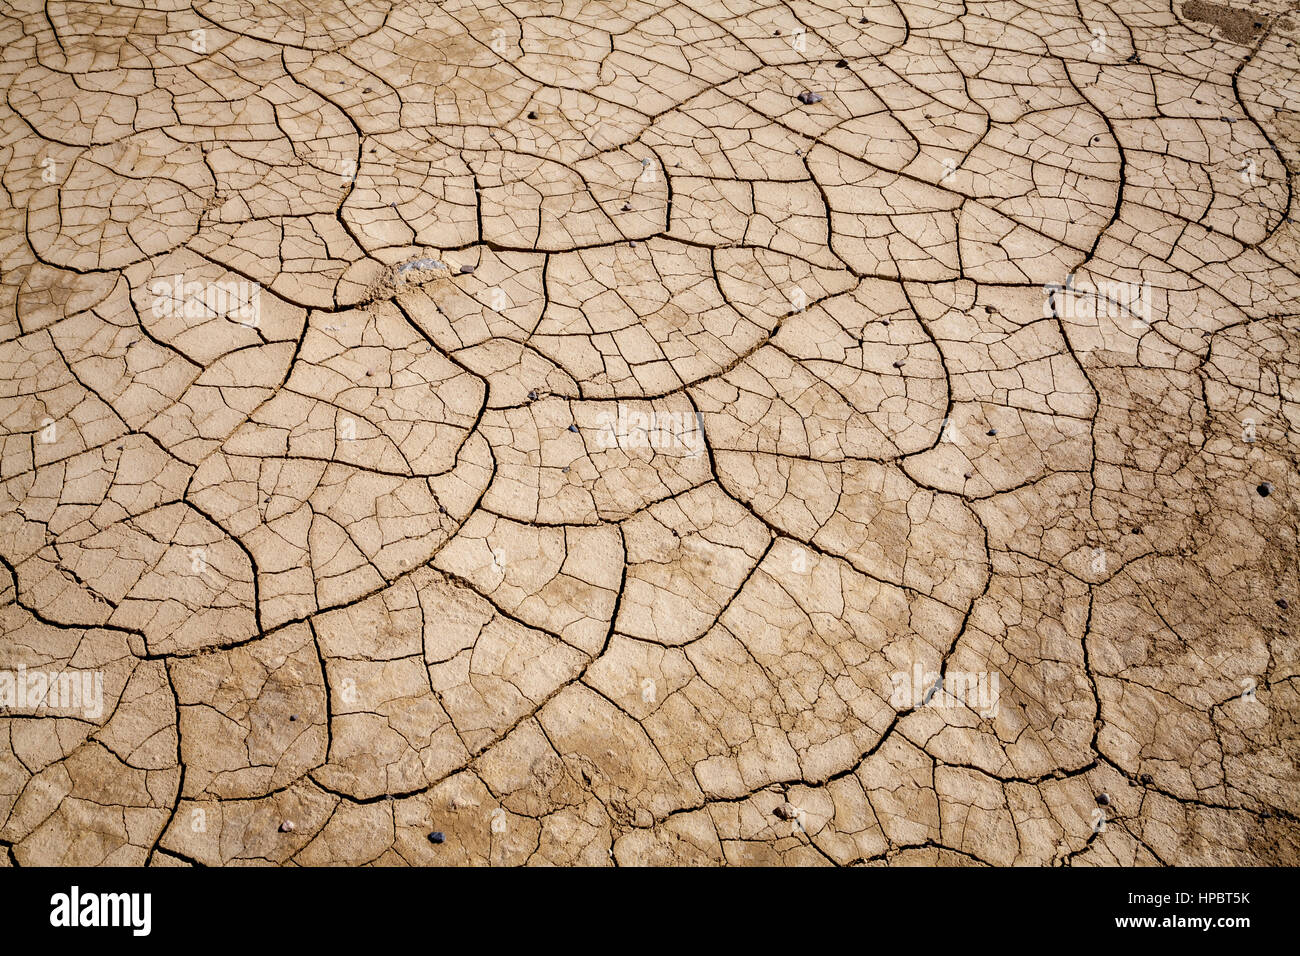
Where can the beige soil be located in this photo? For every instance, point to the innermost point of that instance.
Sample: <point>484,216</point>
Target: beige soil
<point>569,444</point>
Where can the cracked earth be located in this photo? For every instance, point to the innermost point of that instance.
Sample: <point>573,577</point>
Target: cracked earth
<point>657,431</point>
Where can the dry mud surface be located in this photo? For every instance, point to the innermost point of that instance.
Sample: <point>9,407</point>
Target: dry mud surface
<point>583,433</point>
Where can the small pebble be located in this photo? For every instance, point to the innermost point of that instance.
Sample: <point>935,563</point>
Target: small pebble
<point>1282,603</point>
<point>532,115</point>
<point>992,431</point>
<point>1147,779</point>
<point>574,429</point>
<point>287,826</point>
<point>841,63</point>
<point>1265,489</point>
<point>785,811</point>
<point>1103,799</point>
<point>437,836</point>
<point>1137,530</point>
<point>627,207</point>
<point>968,475</point>
<point>863,20</point>
<point>466,270</point>
<point>808,98</point>
<point>293,716</point>
<point>898,364</point>
<point>532,395</point>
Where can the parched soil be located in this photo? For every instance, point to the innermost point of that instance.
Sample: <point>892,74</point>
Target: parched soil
<point>649,431</point>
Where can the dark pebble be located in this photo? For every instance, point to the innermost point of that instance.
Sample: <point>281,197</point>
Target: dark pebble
<point>1103,799</point>
<point>1265,489</point>
<point>1147,779</point>
<point>437,836</point>
<point>898,364</point>
<point>863,20</point>
<point>1282,603</point>
<point>842,63</point>
<point>466,270</point>
<point>808,98</point>
<point>574,429</point>
<point>532,396</point>
<point>532,115</point>
<point>1137,530</point>
<point>992,431</point>
<point>293,716</point>
<point>627,207</point>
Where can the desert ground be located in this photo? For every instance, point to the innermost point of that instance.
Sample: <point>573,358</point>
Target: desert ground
<point>649,432</point>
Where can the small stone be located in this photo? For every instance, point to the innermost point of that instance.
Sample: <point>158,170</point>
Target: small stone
<point>532,395</point>
<point>627,207</point>
<point>532,114</point>
<point>437,836</point>
<point>1137,530</point>
<point>574,429</point>
<point>1147,779</point>
<point>564,470</point>
<point>287,826</point>
<point>785,811</point>
<point>863,20</point>
<point>808,98</point>
<point>968,475</point>
<point>842,63</point>
<point>898,364</point>
<point>1103,799</point>
<point>293,716</point>
<point>1265,489</point>
<point>992,431</point>
<point>1282,603</point>
<point>466,270</point>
